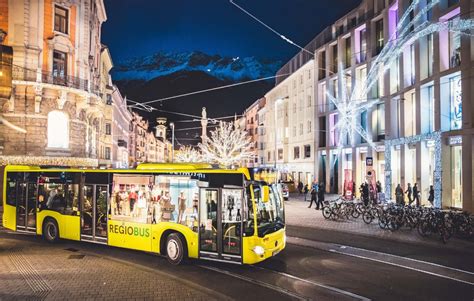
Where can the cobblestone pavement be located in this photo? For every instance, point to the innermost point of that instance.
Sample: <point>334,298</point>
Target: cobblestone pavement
<point>298,214</point>
<point>30,271</point>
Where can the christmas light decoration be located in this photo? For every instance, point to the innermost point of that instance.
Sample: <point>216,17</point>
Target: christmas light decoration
<point>188,154</point>
<point>48,161</point>
<point>227,146</point>
<point>351,104</point>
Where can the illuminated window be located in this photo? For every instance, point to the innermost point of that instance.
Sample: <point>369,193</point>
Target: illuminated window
<point>58,130</point>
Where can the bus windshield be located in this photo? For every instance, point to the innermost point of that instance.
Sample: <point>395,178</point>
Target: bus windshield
<point>270,215</point>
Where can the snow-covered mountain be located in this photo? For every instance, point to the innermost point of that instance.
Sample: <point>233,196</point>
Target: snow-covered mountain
<point>162,63</point>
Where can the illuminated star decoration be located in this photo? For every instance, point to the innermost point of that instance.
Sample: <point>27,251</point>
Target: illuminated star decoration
<point>351,105</point>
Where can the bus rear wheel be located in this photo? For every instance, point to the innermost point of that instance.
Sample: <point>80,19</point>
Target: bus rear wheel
<point>51,231</point>
<point>175,249</point>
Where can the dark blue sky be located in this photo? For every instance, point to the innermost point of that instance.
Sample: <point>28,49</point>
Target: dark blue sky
<point>142,27</point>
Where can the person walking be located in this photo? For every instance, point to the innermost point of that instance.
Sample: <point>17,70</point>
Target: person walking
<point>305,191</point>
<point>320,196</point>
<point>313,198</point>
<point>431,196</point>
<point>416,195</point>
<point>409,192</point>
<point>353,190</point>
<point>399,195</point>
<point>300,187</point>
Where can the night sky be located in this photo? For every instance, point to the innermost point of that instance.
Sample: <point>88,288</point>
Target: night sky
<point>141,27</point>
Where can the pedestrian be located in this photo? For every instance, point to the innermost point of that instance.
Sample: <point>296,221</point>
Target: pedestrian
<point>365,194</point>
<point>416,195</point>
<point>409,192</point>
<point>379,187</point>
<point>431,196</point>
<point>320,196</point>
<point>313,198</point>
<point>305,191</point>
<point>399,194</point>
<point>353,190</point>
<point>300,187</point>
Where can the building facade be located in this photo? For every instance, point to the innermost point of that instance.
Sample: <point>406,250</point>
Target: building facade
<point>289,118</point>
<point>250,123</point>
<point>105,122</point>
<point>53,115</point>
<point>419,123</point>
<point>122,119</point>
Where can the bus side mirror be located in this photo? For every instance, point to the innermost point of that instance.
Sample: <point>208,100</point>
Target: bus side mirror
<point>266,193</point>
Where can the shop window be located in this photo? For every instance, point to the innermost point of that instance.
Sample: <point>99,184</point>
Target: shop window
<point>61,19</point>
<point>58,130</point>
<point>456,176</point>
<point>307,151</point>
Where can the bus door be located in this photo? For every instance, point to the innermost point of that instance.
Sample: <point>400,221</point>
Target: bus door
<point>26,206</point>
<point>220,224</point>
<point>94,212</point>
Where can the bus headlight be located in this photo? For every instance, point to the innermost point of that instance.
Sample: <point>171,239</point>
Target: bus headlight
<point>259,250</point>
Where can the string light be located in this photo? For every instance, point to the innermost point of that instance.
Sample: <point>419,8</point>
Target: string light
<point>227,146</point>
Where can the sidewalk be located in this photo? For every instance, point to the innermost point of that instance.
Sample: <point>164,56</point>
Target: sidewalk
<point>298,214</point>
<point>31,271</point>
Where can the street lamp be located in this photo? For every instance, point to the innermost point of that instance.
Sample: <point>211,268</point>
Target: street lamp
<point>172,141</point>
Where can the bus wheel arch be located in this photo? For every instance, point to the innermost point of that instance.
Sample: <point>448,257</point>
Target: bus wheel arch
<point>50,230</point>
<point>174,246</point>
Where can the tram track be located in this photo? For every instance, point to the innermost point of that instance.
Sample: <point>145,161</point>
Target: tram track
<point>292,286</point>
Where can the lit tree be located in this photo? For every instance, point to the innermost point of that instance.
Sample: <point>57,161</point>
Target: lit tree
<point>227,146</point>
<point>188,154</point>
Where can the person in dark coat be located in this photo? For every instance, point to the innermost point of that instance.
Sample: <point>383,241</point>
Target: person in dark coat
<point>305,191</point>
<point>399,194</point>
<point>320,196</point>
<point>313,197</point>
<point>416,195</point>
<point>300,187</point>
<point>365,193</point>
<point>409,192</point>
<point>431,196</point>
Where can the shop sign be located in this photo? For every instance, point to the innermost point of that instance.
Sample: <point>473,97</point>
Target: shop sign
<point>380,148</point>
<point>430,143</point>
<point>369,161</point>
<point>455,140</point>
<point>363,149</point>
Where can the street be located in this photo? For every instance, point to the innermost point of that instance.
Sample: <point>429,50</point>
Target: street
<point>318,264</point>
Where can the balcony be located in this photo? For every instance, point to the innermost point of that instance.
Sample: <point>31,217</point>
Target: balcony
<point>23,74</point>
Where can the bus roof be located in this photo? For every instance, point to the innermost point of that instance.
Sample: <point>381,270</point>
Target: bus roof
<point>155,167</point>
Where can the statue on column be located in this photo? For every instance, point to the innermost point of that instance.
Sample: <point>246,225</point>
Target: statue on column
<point>204,125</point>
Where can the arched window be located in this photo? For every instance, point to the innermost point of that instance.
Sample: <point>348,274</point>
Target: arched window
<point>58,130</point>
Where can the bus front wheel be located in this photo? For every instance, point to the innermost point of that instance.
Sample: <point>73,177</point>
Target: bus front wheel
<point>50,230</point>
<point>175,249</point>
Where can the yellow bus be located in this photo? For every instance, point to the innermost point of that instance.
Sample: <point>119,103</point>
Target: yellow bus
<point>177,210</point>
